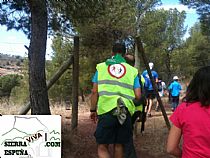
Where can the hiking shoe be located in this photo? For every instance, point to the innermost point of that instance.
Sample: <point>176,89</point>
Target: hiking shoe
<point>149,115</point>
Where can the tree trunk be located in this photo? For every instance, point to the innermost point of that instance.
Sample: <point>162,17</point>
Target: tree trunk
<point>75,84</point>
<point>168,66</point>
<point>37,50</point>
<point>137,58</point>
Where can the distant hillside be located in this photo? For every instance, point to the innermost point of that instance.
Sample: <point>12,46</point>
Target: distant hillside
<point>10,64</point>
<point>6,59</point>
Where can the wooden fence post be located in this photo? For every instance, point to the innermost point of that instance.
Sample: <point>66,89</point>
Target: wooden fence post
<point>75,84</point>
<point>141,50</point>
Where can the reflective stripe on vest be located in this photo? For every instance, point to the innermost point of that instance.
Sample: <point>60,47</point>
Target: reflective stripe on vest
<point>110,88</point>
<point>125,85</point>
<point>116,93</point>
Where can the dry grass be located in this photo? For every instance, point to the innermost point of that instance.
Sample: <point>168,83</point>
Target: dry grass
<point>7,108</point>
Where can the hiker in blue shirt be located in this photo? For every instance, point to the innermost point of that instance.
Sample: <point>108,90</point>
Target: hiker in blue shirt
<point>150,94</point>
<point>175,88</point>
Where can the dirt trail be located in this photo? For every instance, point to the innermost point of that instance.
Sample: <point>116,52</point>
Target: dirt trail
<point>81,143</point>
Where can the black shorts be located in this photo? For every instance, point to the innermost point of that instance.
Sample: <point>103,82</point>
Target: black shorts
<point>110,131</point>
<point>175,99</point>
<point>150,94</point>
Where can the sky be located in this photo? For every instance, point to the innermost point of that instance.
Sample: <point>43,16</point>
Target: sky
<point>191,16</point>
<point>12,42</point>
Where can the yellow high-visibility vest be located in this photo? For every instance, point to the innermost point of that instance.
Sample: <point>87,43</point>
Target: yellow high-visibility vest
<point>115,81</point>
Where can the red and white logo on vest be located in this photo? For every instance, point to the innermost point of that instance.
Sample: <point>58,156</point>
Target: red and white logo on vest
<point>117,70</point>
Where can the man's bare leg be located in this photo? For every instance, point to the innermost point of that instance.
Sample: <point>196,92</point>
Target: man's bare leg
<point>103,151</point>
<point>118,151</point>
<point>150,107</point>
<point>147,105</point>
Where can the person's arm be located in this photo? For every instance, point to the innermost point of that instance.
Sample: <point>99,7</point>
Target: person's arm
<point>173,141</point>
<point>137,92</point>
<point>94,97</point>
<point>137,88</point>
<point>94,100</point>
<point>170,87</point>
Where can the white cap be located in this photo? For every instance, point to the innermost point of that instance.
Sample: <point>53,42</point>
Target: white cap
<point>151,65</point>
<point>175,78</point>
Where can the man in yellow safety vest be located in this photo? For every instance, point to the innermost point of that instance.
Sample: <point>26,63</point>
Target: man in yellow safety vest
<point>115,86</point>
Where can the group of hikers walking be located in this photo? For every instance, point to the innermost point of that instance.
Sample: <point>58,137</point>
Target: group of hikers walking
<point>121,96</point>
